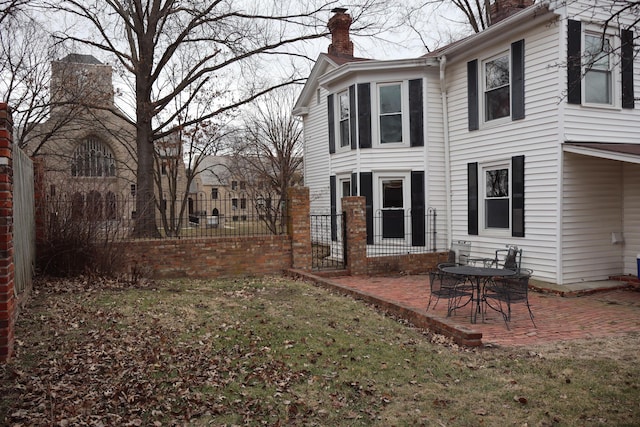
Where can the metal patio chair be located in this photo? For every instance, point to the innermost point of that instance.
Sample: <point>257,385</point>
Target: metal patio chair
<point>454,288</point>
<point>501,293</point>
<point>509,258</point>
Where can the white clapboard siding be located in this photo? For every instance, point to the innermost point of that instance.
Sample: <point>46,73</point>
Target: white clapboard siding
<point>316,154</point>
<point>535,137</point>
<point>631,231</point>
<point>594,124</point>
<point>592,201</point>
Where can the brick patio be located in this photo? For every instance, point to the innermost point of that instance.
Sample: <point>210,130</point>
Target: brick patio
<point>594,314</point>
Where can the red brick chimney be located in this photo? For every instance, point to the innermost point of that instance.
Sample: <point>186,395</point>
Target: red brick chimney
<point>502,9</point>
<point>339,25</point>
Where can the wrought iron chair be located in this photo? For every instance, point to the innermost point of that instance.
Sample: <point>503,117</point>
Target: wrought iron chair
<point>454,288</point>
<point>509,258</point>
<point>501,293</point>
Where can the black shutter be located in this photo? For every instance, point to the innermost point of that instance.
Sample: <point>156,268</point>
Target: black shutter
<point>517,80</point>
<point>472,94</point>
<point>574,62</point>
<point>417,209</point>
<point>472,198</point>
<point>517,198</point>
<point>416,123</point>
<point>352,116</point>
<point>364,115</point>
<point>366,190</point>
<point>626,37</point>
<point>333,196</point>
<point>332,125</point>
<point>354,184</point>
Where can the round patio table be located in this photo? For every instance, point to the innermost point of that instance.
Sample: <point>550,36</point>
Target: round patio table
<point>478,277</point>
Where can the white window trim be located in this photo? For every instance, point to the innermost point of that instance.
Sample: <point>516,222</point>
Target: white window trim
<point>483,81</point>
<point>375,114</point>
<point>378,178</point>
<point>614,40</point>
<point>482,193</point>
<point>339,146</point>
<point>340,179</point>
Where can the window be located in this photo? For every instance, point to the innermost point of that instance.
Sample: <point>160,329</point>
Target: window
<point>594,57</point>
<point>214,193</point>
<point>234,185</point>
<point>597,69</point>
<point>243,185</point>
<point>346,187</point>
<point>234,204</point>
<point>496,87</point>
<point>92,158</point>
<point>133,190</point>
<point>243,203</point>
<point>390,112</point>
<point>497,97</point>
<point>163,168</point>
<point>496,198</point>
<point>343,101</point>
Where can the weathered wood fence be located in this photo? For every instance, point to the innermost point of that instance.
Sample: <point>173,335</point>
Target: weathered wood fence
<point>24,224</point>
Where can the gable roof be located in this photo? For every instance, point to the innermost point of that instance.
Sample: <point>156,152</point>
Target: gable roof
<point>324,62</point>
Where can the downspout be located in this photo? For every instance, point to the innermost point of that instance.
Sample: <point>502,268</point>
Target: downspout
<point>447,160</point>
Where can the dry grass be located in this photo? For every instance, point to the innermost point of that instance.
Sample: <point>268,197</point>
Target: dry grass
<point>276,352</point>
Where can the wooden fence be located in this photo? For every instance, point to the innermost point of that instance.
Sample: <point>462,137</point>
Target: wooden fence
<point>24,225</point>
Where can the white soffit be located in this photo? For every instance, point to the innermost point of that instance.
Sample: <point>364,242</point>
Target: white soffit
<point>629,153</point>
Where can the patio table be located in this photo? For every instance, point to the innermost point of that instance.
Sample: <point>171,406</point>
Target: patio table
<point>478,276</point>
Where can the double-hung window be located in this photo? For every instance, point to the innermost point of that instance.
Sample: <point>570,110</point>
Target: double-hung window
<point>600,65</point>
<point>344,113</point>
<point>597,69</point>
<point>390,112</point>
<point>496,197</point>
<point>497,87</point>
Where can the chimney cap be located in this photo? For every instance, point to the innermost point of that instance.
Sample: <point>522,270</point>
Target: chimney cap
<point>339,10</point>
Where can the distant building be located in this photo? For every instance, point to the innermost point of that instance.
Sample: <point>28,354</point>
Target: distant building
<point>87,145</point>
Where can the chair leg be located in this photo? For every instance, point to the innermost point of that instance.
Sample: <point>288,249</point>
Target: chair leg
<point>531,314</point>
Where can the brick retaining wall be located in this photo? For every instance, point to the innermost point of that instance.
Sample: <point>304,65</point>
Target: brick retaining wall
<point>207,258</point>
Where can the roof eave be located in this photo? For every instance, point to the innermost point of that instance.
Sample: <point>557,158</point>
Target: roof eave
<point>514,24</point>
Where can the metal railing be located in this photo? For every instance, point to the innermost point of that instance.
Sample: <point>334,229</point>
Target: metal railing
<point>107,215</point>
<point>328,250</point>
<point>399,232</point>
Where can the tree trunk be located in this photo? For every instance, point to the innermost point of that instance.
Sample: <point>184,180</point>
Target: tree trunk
<point>145,225</point>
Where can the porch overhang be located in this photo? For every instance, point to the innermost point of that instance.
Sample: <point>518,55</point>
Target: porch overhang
<point>629,153</point>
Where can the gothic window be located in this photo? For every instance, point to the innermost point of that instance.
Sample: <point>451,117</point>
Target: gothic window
<point>93,158</point>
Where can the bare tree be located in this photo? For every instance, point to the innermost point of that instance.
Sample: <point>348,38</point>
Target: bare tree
<point>173,47</point>
<point>26,83</point>
<point>269,152</point>
<point>10,8</point>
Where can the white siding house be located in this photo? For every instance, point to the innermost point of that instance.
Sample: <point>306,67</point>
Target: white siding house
<point>529,135</point>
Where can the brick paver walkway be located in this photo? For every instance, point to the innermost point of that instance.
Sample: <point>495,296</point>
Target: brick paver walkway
<point>600,314</point>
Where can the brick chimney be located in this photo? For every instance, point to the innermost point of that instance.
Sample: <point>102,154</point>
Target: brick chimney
<point>339,25</point>
<point>502,9</point>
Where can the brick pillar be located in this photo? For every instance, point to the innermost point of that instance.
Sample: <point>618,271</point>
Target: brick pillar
<point>356,234</point>
<point>7,297</point>
<point>299,227</point>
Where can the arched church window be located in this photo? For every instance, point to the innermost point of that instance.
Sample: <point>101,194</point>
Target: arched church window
<point>93,158</point>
